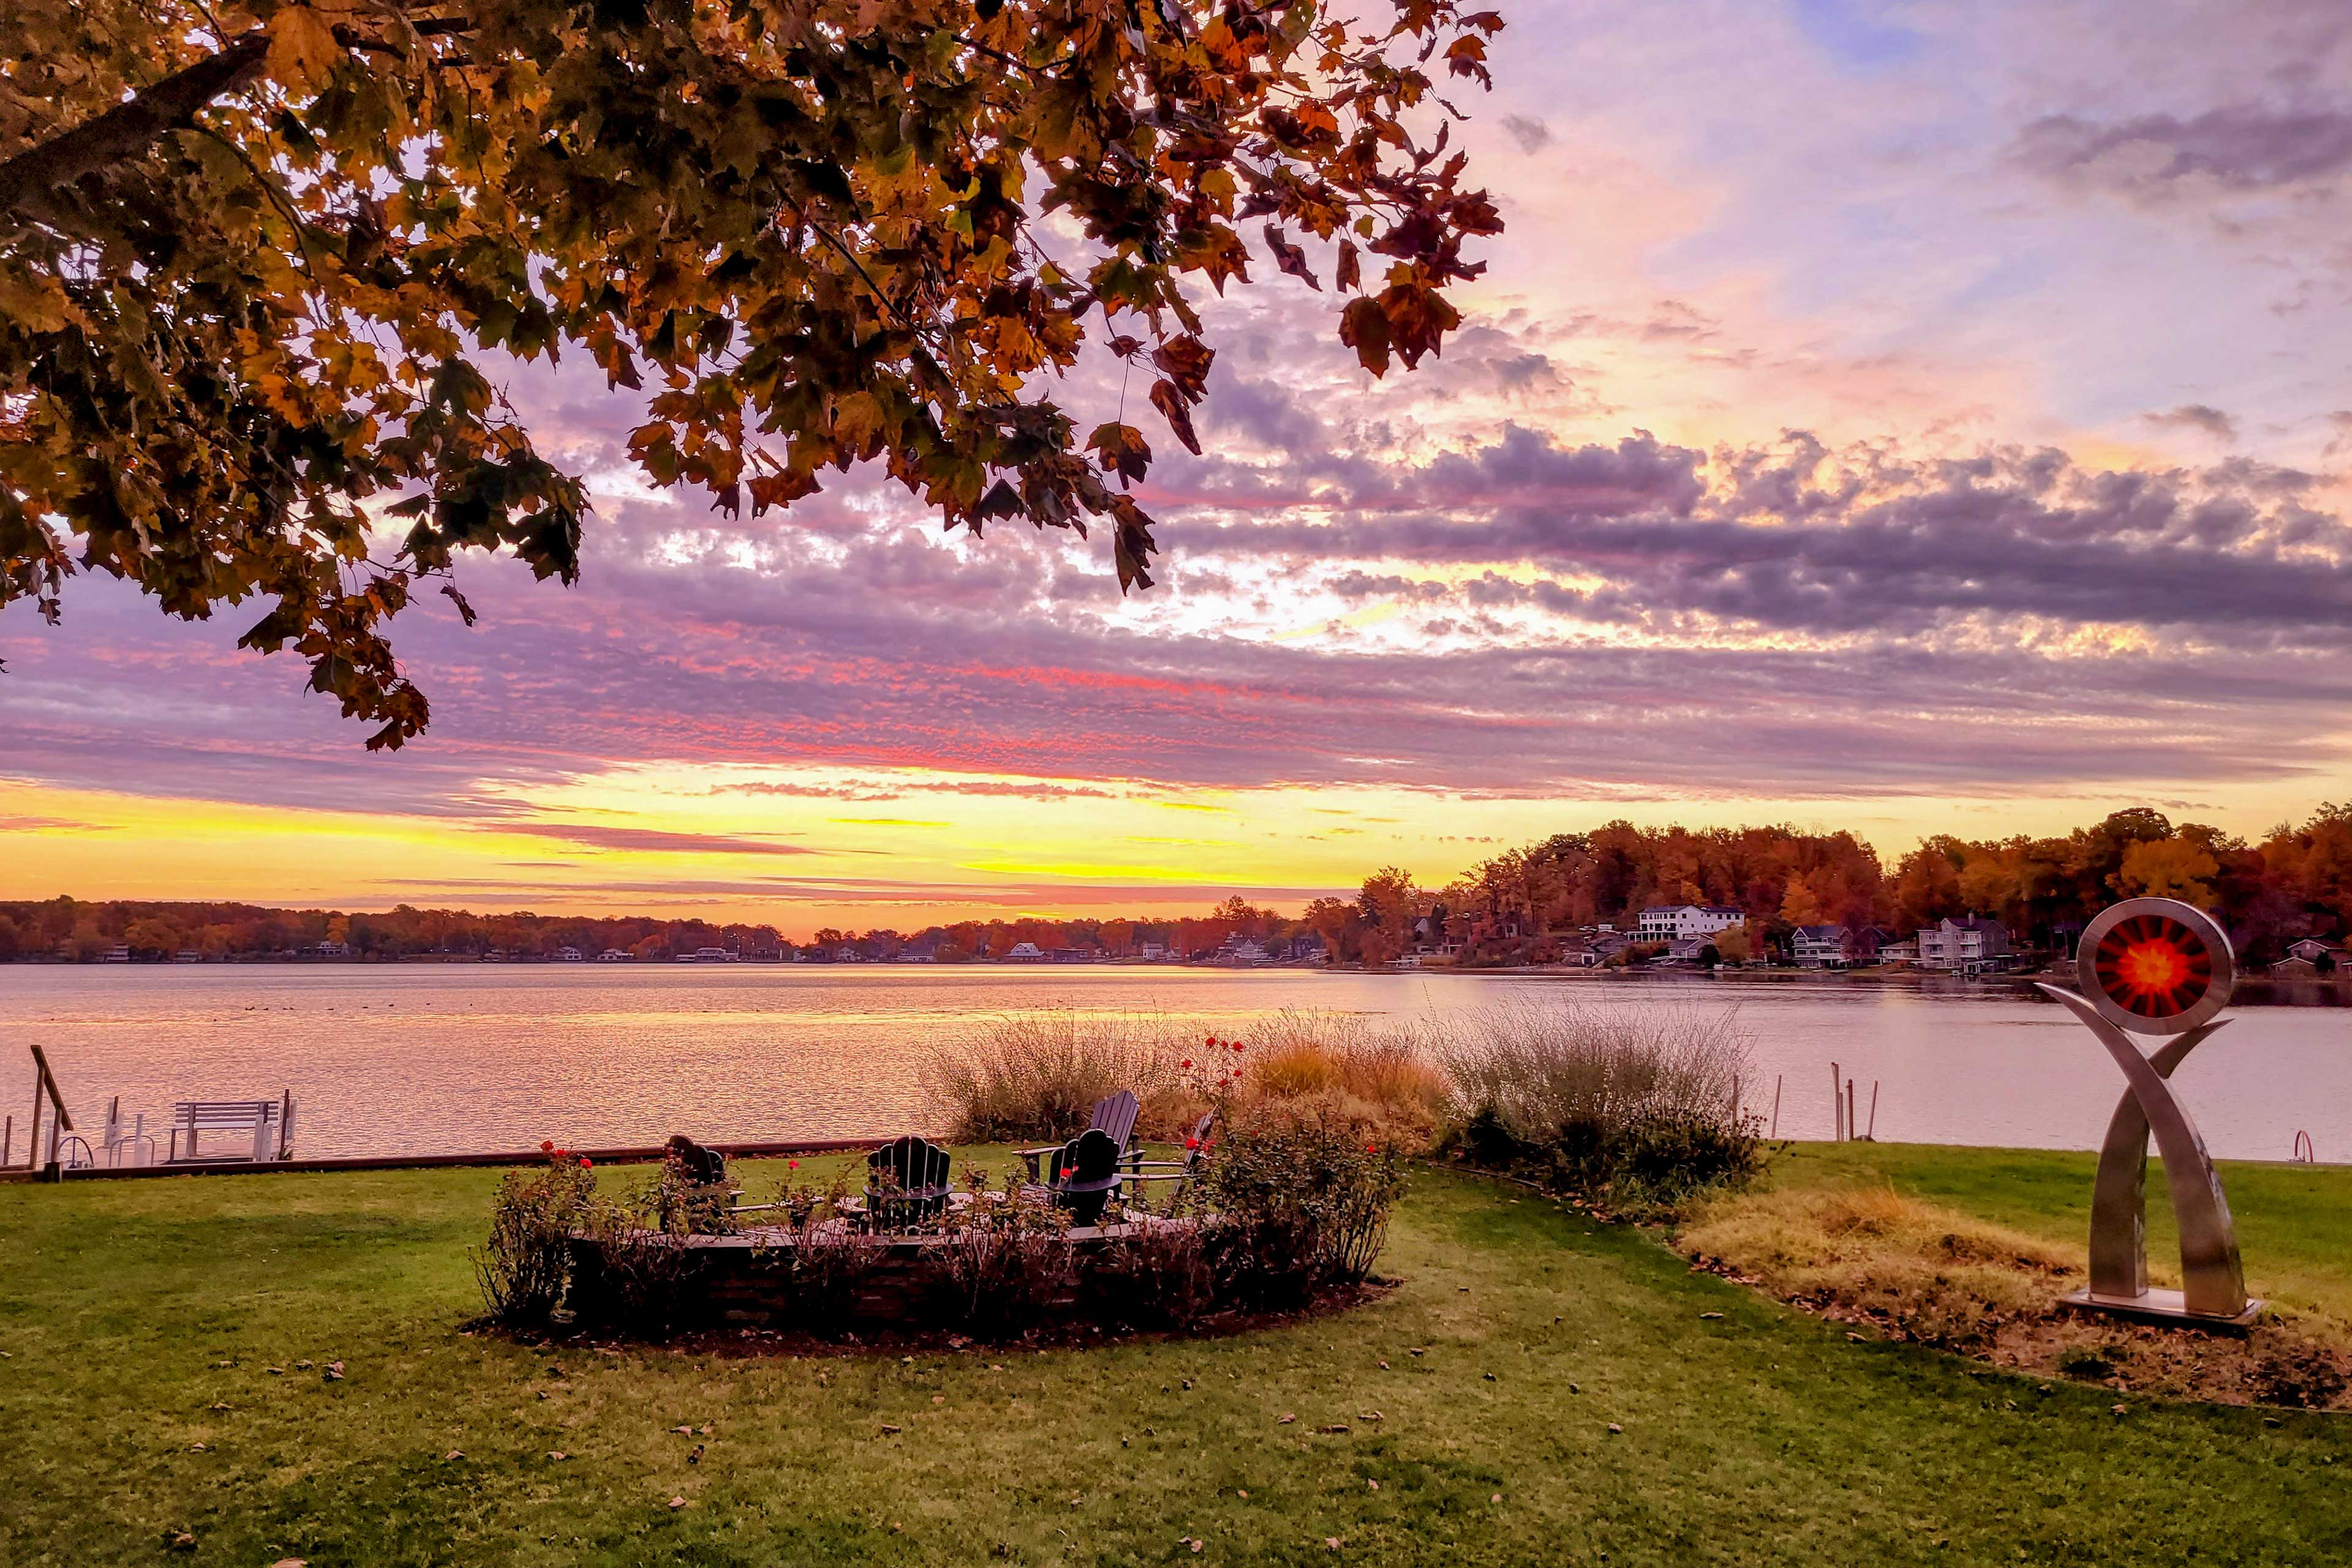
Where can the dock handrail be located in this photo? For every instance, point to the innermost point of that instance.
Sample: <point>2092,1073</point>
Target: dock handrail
<point>60,1120</point>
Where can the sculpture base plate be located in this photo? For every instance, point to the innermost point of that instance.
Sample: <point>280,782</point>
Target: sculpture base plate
<point>2166,1307</point>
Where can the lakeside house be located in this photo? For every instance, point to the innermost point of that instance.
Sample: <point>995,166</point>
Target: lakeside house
<point>1680,923</point>
<point>568,955</point>
<point>612,956</point>
<point>1838,946</point>
<point>2309,957</point>
<point>1025,953</point>
<point>1241,953</point>
<point>1964,946</point>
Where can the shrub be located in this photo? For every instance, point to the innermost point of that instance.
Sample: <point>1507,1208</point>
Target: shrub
<point>648,1270</point>
<point>1159,1275</point>
<point>525,1267</point>
<point>1000,1266</point>
<point>1635,1099</point>
<point>1297,1208</point>
<point>1035,1076</point>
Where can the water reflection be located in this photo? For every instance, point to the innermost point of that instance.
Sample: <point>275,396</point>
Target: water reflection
<point>398,1059</point>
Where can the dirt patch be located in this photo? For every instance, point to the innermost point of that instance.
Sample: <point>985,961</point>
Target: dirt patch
<point>1912,1272</point>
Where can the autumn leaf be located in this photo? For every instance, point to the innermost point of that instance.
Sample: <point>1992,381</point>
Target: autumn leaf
<point>302,48</point>
<point>1122,450</point>
<point>1290,257</point>
<point>1364,327</point>
<point>1172,407</point>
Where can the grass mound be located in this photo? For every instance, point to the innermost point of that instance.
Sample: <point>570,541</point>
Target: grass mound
<point>1935,1276</point>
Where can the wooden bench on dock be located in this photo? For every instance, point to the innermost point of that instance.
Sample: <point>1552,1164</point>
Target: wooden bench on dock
<point>263,1128</point>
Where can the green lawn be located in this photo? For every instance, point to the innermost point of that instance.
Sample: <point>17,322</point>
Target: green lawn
<point>1762,1435</point>
<point>2295,1222</point>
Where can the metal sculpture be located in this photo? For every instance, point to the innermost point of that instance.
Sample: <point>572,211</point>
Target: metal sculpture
<point>2157,966</point>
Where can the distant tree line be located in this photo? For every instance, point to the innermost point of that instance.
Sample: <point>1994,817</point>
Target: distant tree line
<point>2296,882</point>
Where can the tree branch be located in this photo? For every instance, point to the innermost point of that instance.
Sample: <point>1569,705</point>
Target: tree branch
<point>29,181</point>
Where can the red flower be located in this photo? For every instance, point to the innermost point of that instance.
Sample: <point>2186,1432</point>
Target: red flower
<point>1237,1045</point>
<point>1068,1170</point>
<point>1368,1148</point>
<point>1209,1041</point>
<point>1191,1143</point>
<point>792,1165</point>
<point>1188,1061</point>
<point>547,1145</point>
<point>583,1161</point>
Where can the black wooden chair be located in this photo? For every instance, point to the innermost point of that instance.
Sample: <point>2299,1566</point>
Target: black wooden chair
<point>1085,1175</point>
<point>906,1184</point>
<point>1114,1117</point>
<point>702,1166</point>
<point>1141,1171</point>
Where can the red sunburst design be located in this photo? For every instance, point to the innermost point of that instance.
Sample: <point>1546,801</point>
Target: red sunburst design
<point>2153,966</point>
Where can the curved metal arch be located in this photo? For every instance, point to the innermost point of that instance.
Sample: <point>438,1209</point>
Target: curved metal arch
<point>2212,1278</point>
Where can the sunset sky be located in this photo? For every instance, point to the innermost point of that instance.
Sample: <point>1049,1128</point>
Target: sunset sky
<point>1914,418</point>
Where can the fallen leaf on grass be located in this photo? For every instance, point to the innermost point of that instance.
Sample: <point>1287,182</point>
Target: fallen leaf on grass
<point>683,1431</point>
<point>1331,1542</point>
<point>1710,1316</point>
<point>1497,1498</point>
<point>677,1502</point>
<point>455,1454</point>
<point>1285,1421</point>
<point>1335,1430</point>
<point>1614,1427</point>
<point>303,1365</point>
<point>557,1454</point>
<point>275,1371</point>
<point>289,1563</point>
<point>890,1431</point>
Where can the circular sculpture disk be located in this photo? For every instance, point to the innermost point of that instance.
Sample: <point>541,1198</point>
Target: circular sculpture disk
<point>2156,966</point>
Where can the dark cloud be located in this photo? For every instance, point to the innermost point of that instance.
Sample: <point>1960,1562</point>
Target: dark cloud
<point>1532,135</point>
<point>2201,416</point>
<point>2241,148</point>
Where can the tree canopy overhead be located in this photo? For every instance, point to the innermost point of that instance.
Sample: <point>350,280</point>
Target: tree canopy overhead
<point>261,265</point>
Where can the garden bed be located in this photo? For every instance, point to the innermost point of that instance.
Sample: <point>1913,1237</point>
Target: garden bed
<point>760,1277</point>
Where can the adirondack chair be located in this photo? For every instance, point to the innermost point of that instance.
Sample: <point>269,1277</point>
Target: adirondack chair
<point>905,1183</point>
<point>1085,1175</point>
<point>1141,1171</point>
<point>1114,1117</point>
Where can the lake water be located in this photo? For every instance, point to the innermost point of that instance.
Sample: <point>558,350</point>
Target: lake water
<point>418,1058</point>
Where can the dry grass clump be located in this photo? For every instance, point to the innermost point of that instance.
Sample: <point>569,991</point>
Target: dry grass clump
<point>1036,1075</point>
<point>1538,1072</point>
<point>1330,1069</point>
<point>1939,1276</point>
<point>1632,1105</point>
